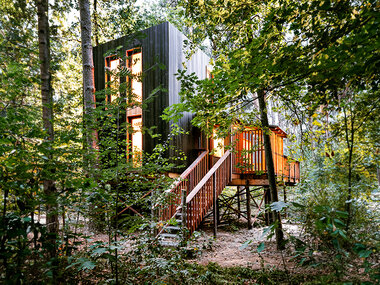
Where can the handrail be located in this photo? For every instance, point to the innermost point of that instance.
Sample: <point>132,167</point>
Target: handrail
<point>205,193</point>
<point>249,157</point>
<point>190,177</point>
<point>188,170</point>
<point>207,177</point>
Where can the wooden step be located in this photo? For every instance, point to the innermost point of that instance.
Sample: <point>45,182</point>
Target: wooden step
<point>167,235</point>
<point>172,228</point>
<point>169,243</point>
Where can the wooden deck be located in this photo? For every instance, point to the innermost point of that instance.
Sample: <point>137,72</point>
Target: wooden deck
<point>249,159</point>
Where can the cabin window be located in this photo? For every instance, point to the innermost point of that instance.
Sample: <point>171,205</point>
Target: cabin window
<point>112,78</point>
<point>136,140</point>
<point>134,64</point>
<point>218,144</point>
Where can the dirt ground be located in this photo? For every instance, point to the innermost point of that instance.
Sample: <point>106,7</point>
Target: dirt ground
<point>227,249</point>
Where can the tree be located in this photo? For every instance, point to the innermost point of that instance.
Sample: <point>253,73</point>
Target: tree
<point>50,190</point>
<point>88,83</point>
<point>240,68</point>
<point>303,53</point>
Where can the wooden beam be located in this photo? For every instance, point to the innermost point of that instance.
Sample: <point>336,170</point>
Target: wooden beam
<point>252,182</point>
<point>248,205</point>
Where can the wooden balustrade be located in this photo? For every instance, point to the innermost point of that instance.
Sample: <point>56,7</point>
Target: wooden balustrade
<point>201,198</point>
<point>249,156</point>
<point>188,180</point>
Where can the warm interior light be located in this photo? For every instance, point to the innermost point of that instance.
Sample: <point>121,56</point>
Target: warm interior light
<point>136,68</point>
<point>114,78</point>
<point>218,144</point>
<point>136,143</point>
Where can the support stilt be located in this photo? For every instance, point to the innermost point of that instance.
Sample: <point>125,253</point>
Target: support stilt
<point>238,201</point>
<point>249,220</point>
<point>285,214</point>
<point>268,214</point>
<point>214,206</point>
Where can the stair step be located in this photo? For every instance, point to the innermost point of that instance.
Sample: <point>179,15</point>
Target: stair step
<point>172,228</point>
<point>169,243</point>
<point>166,235</point>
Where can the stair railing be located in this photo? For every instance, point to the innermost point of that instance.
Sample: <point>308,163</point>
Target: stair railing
<point>201,198</point>
<point>188,179</point>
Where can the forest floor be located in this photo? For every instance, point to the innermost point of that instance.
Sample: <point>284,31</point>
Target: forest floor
<point>228,248</point>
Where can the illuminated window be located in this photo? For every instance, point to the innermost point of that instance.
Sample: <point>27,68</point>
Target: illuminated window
<point>134,64</point>
<point>136,141</point>
<point>112,78</point>
<point>218,144</point>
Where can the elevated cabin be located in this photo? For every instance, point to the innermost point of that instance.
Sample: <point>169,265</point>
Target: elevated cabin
<point>157,54</point>
<point>248,158</point>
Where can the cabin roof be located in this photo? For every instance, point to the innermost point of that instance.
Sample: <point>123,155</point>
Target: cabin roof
<point>276,129</point>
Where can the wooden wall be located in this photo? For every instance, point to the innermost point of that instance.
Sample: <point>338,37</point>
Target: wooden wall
<point>190,143</point>
<point>160,44</point>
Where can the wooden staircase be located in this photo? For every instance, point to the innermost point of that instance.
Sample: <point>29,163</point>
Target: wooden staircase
<point>199,187</point>
<point>193,196</point>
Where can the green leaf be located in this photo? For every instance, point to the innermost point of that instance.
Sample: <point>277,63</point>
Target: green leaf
<point>99,251</point>
<point>245,244</point>
<point>295,204</point>
<point>261,247</point>
<point>278,206</point>
<point>267,230</point>
<point>87,265</point>
<point>364,253</point>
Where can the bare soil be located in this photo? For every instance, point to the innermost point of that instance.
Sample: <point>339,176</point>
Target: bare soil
<point>228,249</point>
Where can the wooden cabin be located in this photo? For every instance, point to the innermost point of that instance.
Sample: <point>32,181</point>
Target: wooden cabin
<point>239,160</point>
<point>157,52</point>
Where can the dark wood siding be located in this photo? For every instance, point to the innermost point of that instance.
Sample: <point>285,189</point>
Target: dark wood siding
<point>160,44</point>
<point>191,142</point>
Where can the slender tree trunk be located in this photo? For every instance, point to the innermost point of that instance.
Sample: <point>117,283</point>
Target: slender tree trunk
<point>350,145</point>
<point>270,167</point>
<point>88,80</point>
<point>50,190</point>
<point>90,143</point>
<point>96,23</point>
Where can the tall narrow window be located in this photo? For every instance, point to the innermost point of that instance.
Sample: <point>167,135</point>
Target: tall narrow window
<point>136,141</point>
<point>112,78</point>
<point>218,144</point>
<point>135,66</point>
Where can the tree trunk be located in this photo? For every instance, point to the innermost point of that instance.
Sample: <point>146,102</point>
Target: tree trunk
<point>50,190</point>
<point>270,167</point>
<point>350,146</point>
<point>88,82</point>
<point>96,23</point>
<point>90,144</point>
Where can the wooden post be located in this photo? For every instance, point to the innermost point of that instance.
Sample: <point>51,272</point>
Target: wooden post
<point>238,201</point>
<point>214,205</point>
<point>248,205</point>
<point>184,207</point>
<point>268,214</point>
<point>285,214</point>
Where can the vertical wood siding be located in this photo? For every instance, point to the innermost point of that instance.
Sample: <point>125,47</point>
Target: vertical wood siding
<point>191,142</point>
<point>164,44</point>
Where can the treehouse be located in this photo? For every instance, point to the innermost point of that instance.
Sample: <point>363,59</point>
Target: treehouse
<point>212,164</point>
<point>155,55</point>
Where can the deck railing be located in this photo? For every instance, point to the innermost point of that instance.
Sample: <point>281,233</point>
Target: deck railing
<point>249,156</point>
<point>188,180</point>
<point>201,198</point>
